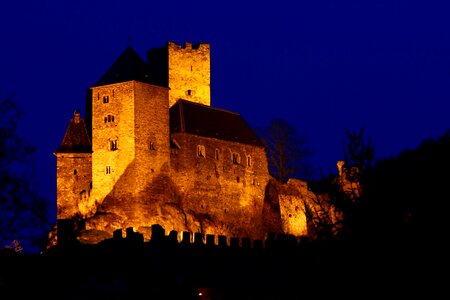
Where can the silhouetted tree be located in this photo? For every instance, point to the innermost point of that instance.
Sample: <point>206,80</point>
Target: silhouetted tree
<point>359,153</point>
<point>341,199</point>
<point>286,151</point>
<point>23,213</point>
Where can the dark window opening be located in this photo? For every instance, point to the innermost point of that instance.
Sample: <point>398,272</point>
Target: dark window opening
<point>217,156</point>
<point>113,145</point>
<point>105,99</point>
<point>152,146</point>
<point>108,170</point>
<point>109,119</point>
<point>75,172</point>
<point>236,158</point>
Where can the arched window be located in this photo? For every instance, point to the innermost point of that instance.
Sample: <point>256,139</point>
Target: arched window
<point>249,161</point>
<point>236,158</point>
<point>201,152</point>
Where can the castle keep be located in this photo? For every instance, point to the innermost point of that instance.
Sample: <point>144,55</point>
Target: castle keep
<point>152,150</point>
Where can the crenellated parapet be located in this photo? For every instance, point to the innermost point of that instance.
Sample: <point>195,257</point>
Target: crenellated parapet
<point>196,242</point>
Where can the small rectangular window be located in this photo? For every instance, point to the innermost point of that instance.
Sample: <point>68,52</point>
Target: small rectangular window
<point>217,154</point>
<point>113,145</point>
<point>105,99</point>
<point>108,170</point>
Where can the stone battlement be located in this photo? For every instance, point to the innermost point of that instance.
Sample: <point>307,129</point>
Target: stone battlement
<point>196,241</point>
<point>189,46</point>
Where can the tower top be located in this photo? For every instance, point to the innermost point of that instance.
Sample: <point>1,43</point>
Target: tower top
<point>76,138</point>
<point>129,66</point>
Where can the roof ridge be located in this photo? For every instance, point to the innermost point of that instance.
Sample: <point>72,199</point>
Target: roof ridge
<point>208,106</point>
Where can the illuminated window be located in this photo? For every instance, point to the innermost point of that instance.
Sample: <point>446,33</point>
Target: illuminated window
<point>201,151</point>
<point>108,170</point>
<point>249,161</point>
<point>105,99</point>
<point>217,154</point>
<point>113,145</point>
<point>236,158</point>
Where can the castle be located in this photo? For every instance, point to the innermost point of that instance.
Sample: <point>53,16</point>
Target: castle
<point>152,150</point>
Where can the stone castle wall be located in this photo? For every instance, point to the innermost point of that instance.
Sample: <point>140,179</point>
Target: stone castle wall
<point>72,183</point>
<point>230,193</point>
<point>111,121</point>
<point>189,73</point>
<point>140,128</point>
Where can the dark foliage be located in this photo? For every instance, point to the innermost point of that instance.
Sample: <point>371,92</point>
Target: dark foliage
<point>407,194</point>
<point>23,213</point>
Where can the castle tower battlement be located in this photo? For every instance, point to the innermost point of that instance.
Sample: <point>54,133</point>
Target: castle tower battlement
<point>184,69</point>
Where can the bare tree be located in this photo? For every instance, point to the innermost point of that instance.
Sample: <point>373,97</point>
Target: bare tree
<point>23,213</point>
<point>286,151</point>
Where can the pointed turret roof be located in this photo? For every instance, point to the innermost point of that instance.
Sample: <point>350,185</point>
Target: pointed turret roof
<point>76,138</point>
<point>129,66</point>
<point>207,121</point>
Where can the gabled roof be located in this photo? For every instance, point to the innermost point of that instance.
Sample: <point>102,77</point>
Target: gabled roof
<point>129,66</point>
<point>207,121</point>
<point>76,138</point>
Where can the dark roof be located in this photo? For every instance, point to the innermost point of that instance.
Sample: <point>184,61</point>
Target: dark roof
<point>129,66</point>
<point>76,139</point>
<point>207,121</point>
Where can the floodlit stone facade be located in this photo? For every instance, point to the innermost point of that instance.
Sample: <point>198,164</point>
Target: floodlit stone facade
<point>152,150</point>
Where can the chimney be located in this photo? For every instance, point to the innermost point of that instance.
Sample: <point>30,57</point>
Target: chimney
<point>76,116</point>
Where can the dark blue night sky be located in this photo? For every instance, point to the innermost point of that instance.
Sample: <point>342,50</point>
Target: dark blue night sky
<point>321,65</point>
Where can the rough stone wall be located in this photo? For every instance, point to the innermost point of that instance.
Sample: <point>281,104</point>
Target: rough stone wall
<point>293,198</point>
<point>229,196</point>
<point>141,129</point>
<point>152,153</point>
<point>120,106</point>
<point>189,73</point>
<point>73,178</point>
